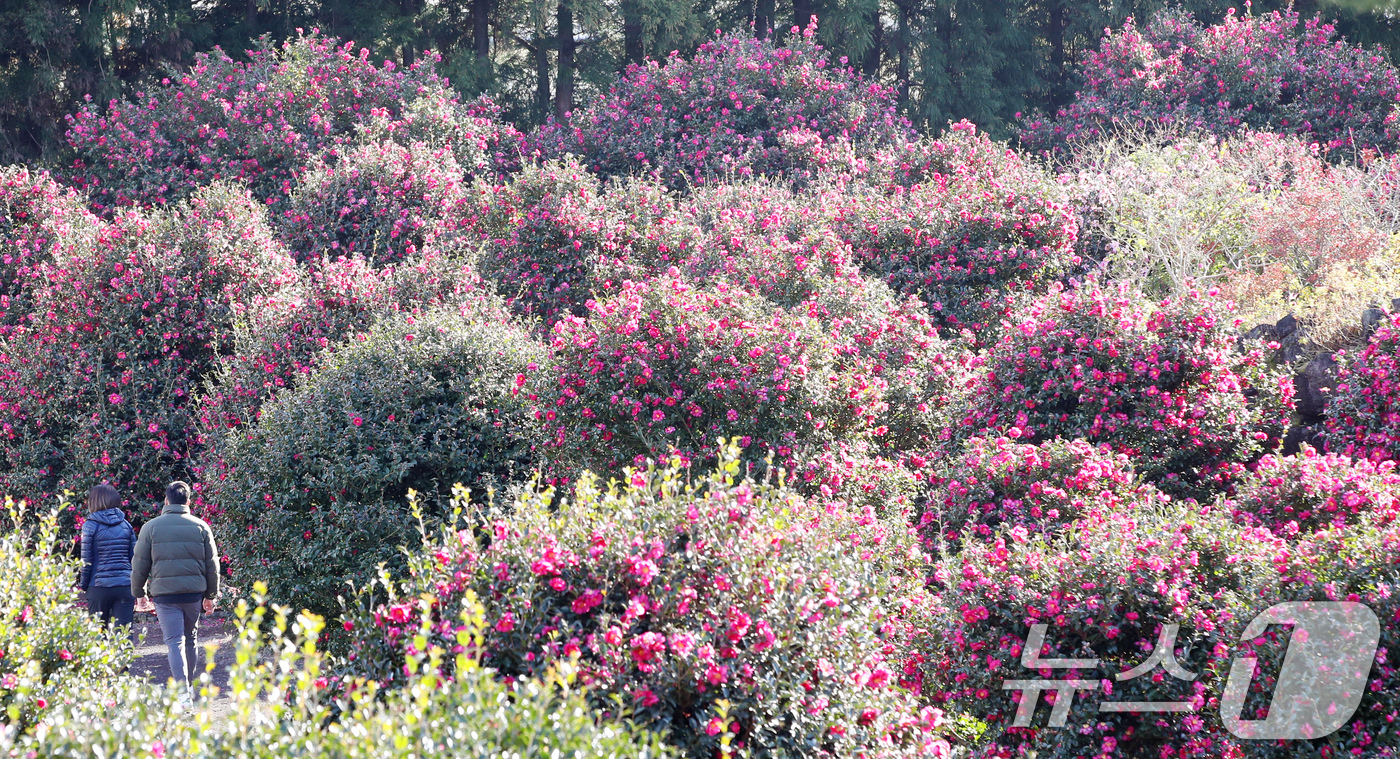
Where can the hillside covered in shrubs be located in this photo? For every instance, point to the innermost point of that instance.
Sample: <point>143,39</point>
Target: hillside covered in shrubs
<point>730,416</point>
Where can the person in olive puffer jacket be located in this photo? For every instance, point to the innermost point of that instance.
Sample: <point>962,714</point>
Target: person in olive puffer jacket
<point>177,562</point>
<point>107,544</point>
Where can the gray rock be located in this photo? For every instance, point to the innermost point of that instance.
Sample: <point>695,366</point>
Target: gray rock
<point>1313,387</point>
<point>1301,433</point>
<point>1261,333</point>
<point>1395,305</point>
<point>1264,332</point>
<point>1370,319</point>
<point>1291,347</point>
<point>1286,326</point>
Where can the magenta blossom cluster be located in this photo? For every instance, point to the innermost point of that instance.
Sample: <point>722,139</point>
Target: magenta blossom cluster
<point>974,227</point>
<point>1163,383</point>
<point>739,107</point>
<point>666,364</point>
<point>1274,72</point>
<point>380,201</point>
<point>1363,417</point>
<point>100,377</point>
<point>672,366</point>
<point>1104,587</point>
<point>553,237</point>
<point>674,595</point>
<point>997,486</point>
<point>1311,491</point>
<point>40,220</point>
<point>266,120</point>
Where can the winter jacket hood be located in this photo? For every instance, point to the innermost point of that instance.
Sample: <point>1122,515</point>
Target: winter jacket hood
<point>109,517</point>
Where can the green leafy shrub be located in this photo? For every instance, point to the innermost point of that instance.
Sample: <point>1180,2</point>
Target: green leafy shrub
<point>716,607</point>
<point>315,493</point>
<point>54,653</point>
<point>282,338</point>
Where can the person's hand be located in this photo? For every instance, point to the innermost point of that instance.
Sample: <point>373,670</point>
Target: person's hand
<point>144,604</point>
<point>208,606</point>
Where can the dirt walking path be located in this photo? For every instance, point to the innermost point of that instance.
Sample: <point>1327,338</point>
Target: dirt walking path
<point>152,663</point>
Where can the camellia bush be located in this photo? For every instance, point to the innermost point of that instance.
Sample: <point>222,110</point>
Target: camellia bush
<point>553,237</point>
<point>979,226</point>
<point>100,382</point>
<point>1105,586</point>
<point>267,120</point>
<point>721,610</point>
<point>997,486</point>
<point>739,107</point>
<point>1272,72</point>
<point>666,365</point>
<point>316,492</point>
<point>380,201</point>
<point>1293,495</point>
<point>40,220</point>
<point>1164,384</point>
<point>1363,417</point>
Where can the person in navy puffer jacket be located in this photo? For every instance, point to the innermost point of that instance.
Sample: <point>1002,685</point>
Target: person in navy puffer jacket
<point>108,542</point>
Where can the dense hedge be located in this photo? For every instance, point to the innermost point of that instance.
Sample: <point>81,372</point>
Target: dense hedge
<point>101,378</point>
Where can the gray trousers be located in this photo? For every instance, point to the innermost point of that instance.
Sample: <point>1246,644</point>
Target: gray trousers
<point>179,626</point>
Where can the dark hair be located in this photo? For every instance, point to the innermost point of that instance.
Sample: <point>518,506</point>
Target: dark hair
<point>103,497</point>
<point>177,493</point>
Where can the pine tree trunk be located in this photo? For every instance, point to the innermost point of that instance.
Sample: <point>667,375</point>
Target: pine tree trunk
<point>407,10</point>
<point>564,81</point>
<point>764,13</point>
<point>481,34</point>
<point>1056,35</point>
<point>903,44</point>
<point>632,33</point>
<point>871,66</point>
<point>541,51</point>
<point>801,14</point>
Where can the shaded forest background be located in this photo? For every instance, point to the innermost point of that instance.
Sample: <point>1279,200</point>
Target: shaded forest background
<point>982,60</point>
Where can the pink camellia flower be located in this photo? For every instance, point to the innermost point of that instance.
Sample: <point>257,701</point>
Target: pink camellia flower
<point>586,601</point>
<point>715,726</point>
<point>506,623</point>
